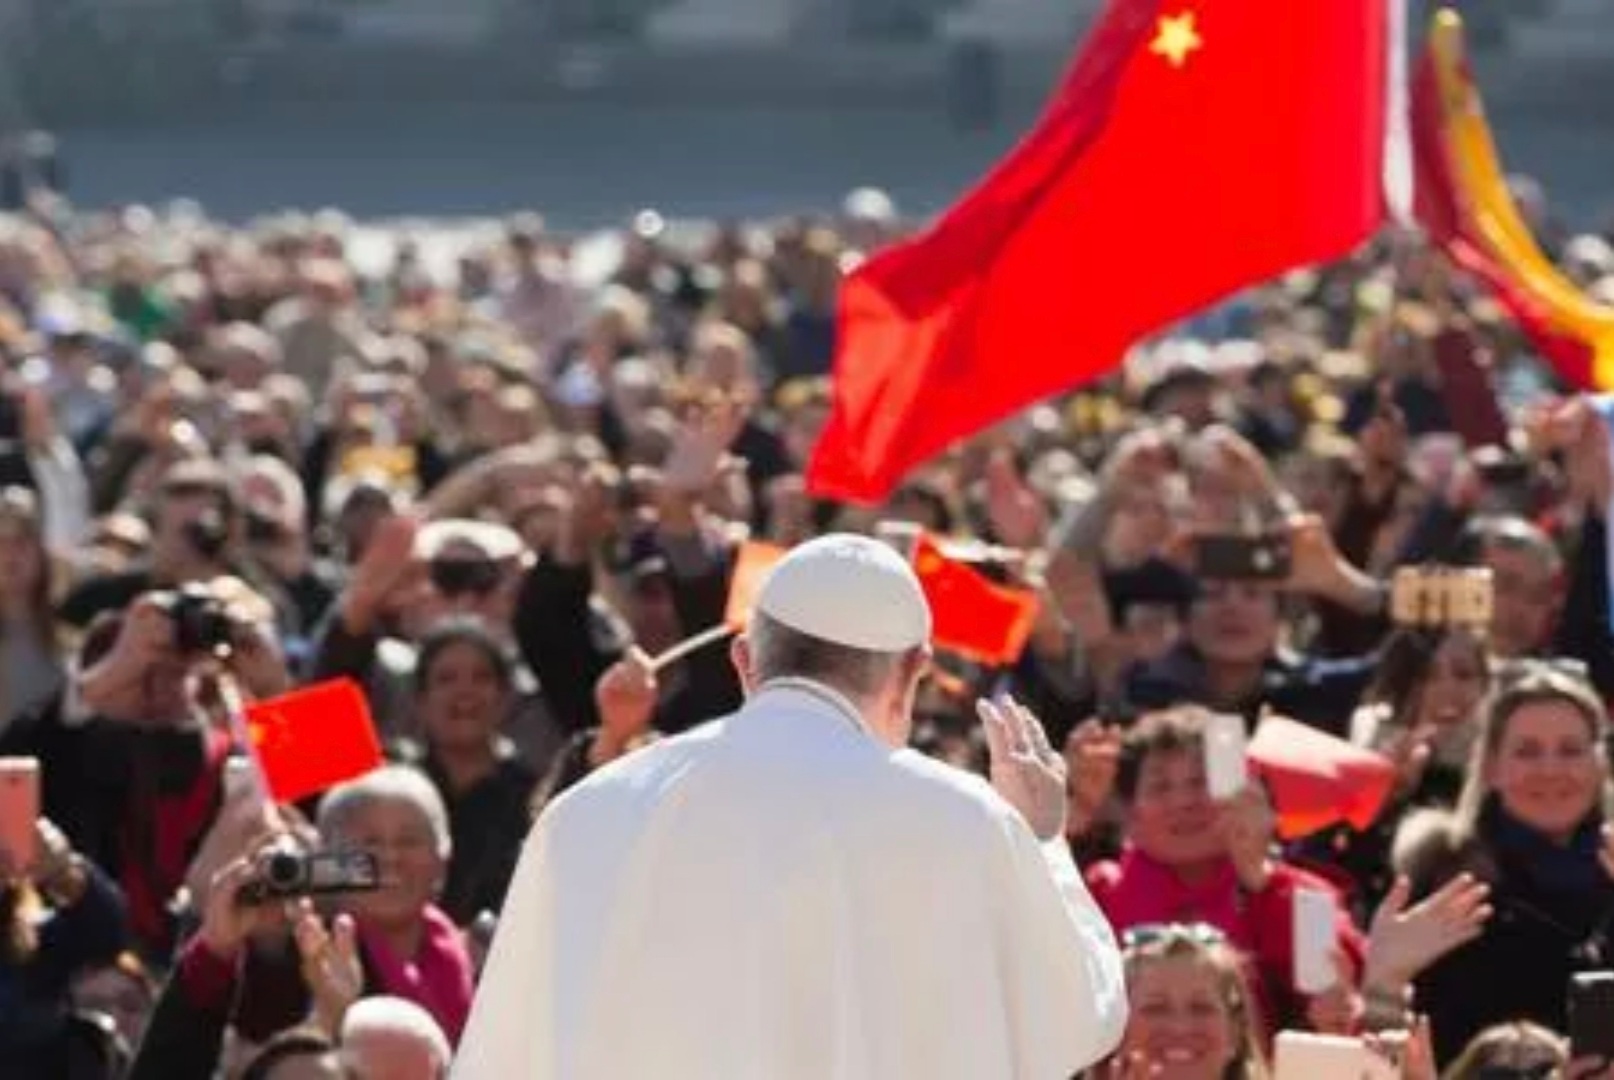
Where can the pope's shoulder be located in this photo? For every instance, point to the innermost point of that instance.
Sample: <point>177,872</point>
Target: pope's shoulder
<point>903,776</point>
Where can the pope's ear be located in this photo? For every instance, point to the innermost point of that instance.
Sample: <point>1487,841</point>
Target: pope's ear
<point>740,657</point>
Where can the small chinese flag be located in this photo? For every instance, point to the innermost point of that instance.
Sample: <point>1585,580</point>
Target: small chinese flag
<point>312,739</point>
<point>972,615</point>
<point>751,566</point>
<point>1316,780</point>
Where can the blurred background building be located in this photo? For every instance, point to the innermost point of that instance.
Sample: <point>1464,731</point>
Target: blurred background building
<point>590,107</point>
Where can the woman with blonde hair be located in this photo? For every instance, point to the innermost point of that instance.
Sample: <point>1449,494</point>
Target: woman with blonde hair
<point>31,669</point>
<point>1531,823</point>
<point>1192,1015</point>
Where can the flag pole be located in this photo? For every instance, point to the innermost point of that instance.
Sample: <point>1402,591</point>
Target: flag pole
<point>235,713</point>
<point>690,645</point>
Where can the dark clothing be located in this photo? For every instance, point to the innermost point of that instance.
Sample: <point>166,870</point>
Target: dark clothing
<point>555,602</point>
<point>1583,624</point>
<point>110,592</point>
<point>1554,912</point>
<point>34,1017</point>
<point>1322,693</point>
<point>1344,633</point>
<point>488,823</point>
<point>135,801</point>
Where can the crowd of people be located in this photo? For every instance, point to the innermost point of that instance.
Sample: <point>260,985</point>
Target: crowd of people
<point>232,458</point>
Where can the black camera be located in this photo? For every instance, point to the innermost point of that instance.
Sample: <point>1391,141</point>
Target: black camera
<point>288,875</point>
<point>201,623</point>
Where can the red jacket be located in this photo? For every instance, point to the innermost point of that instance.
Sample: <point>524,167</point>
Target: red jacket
<point>1138,891</point>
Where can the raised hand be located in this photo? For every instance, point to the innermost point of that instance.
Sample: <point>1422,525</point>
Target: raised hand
<point>1093,757</point>
<point>626,698</point>
<point>1403,942</point>
<point>387,561</point>
<point>1025,770</point>
<point>330,964</point>
<point>1247,825</point>
<point>1019,517</point>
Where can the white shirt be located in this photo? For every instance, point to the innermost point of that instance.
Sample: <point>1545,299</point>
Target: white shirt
<point>777,896</point>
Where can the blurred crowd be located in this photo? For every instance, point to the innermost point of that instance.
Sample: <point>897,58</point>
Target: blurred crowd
<point>231,457</point>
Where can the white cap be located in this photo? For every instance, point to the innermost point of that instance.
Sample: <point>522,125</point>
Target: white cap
<point>850,590</point>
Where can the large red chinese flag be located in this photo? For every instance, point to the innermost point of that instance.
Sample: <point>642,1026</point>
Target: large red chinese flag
<point>1444,214</point>
<point>1194,148</point>
<point>313,739</point>
<point>971,615</point>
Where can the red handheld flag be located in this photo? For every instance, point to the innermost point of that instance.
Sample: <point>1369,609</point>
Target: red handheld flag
<point>751,565</point>
<point>1193,149</point>
<point>313,739</point>
<point>1317,780</point>
<point>971,615</point>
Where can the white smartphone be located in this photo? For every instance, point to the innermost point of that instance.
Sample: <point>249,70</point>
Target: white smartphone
<point>19,810</point>
<point>1226,756</point>
<point>1316,919</point>
<point>1301,1055</point>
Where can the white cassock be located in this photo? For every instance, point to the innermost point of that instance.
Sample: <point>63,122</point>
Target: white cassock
<point>778,896</point>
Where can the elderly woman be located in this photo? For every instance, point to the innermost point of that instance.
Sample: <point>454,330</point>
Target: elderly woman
<point>408,947</point>
<point>1531,823</point>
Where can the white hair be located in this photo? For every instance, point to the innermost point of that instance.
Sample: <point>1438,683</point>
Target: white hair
<point>390,783</point>
<point>395,1038</point>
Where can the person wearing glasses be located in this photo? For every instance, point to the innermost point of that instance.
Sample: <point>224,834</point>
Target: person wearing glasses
<point>1532,823</point>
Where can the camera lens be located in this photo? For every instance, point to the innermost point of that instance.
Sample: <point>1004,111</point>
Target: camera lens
<point>284,871</point>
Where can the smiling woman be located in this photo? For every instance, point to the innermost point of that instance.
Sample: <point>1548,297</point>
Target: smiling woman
<point>1192,1015</point>
<point>1532,823</point>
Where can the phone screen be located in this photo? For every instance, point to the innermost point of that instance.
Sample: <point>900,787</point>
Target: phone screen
<point>1226,768</point>
<point>19,809</point>
<point>1316,938</point>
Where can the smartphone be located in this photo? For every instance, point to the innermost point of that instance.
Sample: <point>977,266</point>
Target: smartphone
<point>1591,1015</point>
<point>290,875</point>
<point>1226,765</point>
<point>1316,928</point>
<point>1301,1055</point>
<point>1227,557</point>
<point>19,810</point>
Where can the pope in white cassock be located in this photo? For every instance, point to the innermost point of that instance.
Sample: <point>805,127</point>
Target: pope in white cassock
<point>790,894</point>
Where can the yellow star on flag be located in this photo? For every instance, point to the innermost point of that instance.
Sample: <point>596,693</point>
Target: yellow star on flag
<point>1177,38</point>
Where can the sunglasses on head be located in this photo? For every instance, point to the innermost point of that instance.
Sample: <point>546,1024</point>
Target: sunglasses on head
<point>1147,934</point>
<point>1541,1070</point>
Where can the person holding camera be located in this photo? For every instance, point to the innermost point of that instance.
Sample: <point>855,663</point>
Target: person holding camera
<point>193,524</point>
<point>237,955</point>
<point>132,764</point>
